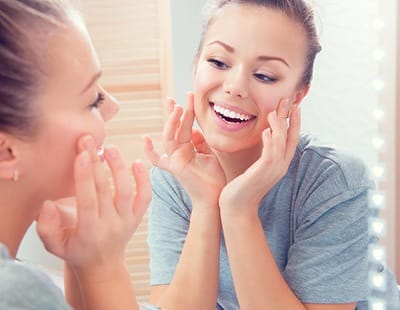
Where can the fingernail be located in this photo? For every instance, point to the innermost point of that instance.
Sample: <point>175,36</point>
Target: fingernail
<point>89,144</point>
<point>112,152</point>
<point>139,167</point>
<point>49,214</point>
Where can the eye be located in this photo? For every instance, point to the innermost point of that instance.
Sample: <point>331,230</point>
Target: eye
<point>99,100</point>
<point>264,78</point>
<point>217,64</point>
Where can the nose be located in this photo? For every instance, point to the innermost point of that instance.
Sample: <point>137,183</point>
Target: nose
<point>109,108</point>
<point>236,84</point>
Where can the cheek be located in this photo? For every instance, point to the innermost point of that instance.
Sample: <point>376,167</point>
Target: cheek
<point>204,80</point>
<point>267,101</point>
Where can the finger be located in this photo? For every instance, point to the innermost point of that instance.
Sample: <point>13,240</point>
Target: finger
<point>283,108</point>
<point>67,208</point>
<point>171,128</point>
<point>50,230</point>
<point>169,105</point>
<point>199,142</point>
<point>185,130</point>
<point>267,152</point>
<point>122,180</point>
<point>143,191</point>
<point>278,133</point>
<point>293,133</point>
<point>154,156</point>
<point>85,190</point>
<point>101,181</point>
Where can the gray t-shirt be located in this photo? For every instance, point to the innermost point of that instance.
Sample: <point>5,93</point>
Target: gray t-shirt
<point>25,287</point>
<point>315,220</point>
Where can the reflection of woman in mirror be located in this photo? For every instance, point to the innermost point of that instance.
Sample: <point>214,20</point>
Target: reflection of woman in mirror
<point>52,114</point>
<point>249,212</point>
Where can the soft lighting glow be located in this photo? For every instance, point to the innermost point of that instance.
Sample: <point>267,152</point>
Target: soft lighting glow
<point>378,54</point>
<point>378,114</point>
<point>376,304</point>
<point>377,253</point>
<point>378,280</point>
<point>378,143</point>
<point>377,200</point>
<point>378,84</point>
<point>378,171</point>
<point>379,24</point>
<point>377,226</point>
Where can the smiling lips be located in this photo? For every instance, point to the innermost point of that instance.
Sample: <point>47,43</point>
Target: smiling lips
<point>231,116</point>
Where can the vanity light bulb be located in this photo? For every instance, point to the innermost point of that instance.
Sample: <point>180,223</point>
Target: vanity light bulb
<point>377,253</point>
<point>379,24</point>
<point>378,200</point>
<point>378,172</point>
<point>378,143</point>
<point>378,114</point>
<point>378,54</point>
<point>378,84</point>
<point>377,226</point>
<point>376,304</point>
<point>378,281</point>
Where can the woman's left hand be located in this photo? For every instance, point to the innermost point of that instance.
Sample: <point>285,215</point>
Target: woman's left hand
<point>94,232</point>
<point>244,193</point>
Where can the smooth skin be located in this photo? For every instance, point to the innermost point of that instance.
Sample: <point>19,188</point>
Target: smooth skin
<point>253,70</point>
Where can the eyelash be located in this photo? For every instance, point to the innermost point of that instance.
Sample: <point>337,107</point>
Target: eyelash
<point>222,66</point>
<point>99,100</point>
<point>264,78</point>
<point>217,64</point>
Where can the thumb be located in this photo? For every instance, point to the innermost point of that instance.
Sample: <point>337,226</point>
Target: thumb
<point>49,228</point>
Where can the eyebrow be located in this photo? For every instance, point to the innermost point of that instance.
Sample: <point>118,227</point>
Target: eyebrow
<point>230,49</point>
<point>92,81</point>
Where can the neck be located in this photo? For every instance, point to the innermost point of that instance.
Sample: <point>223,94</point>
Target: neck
<point>17,212</point>
<point>236,163</point>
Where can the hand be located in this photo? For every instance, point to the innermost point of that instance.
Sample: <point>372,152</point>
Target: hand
<point>244,193</point>
<point>94,232</point>
<point>187,155</point>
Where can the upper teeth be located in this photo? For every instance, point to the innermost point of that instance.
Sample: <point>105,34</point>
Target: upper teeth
<point>231,114</point>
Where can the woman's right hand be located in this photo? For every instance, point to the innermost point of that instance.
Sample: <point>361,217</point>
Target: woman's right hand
<point>188,156</point>
<point>95,232</point>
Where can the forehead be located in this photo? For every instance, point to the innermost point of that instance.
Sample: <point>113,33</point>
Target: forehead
<point>72,60</point>
<point>261,29</point>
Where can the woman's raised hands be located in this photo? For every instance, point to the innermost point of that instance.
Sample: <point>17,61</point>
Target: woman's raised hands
<point>187,155</point>
<point>95,231</point>
<point>244,193</point>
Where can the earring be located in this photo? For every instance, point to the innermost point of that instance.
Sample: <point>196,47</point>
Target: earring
<point>15,176</point>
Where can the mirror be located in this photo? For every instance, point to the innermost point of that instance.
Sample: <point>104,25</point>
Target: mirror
<point>351,105</point>
<point>352,100</point>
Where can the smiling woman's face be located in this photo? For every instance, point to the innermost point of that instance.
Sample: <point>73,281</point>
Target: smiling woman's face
<point>251,59</point>
<point>71,104</point>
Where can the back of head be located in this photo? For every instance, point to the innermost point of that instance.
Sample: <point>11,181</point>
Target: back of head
<point>25,28</point>
<point>298,10</point>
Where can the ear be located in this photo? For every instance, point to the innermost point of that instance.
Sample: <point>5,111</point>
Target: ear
<point>8,158</point>
<point>301,93</point>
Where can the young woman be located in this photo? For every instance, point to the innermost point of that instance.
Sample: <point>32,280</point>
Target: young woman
<point>52,114</point>
<point>249,213</point>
